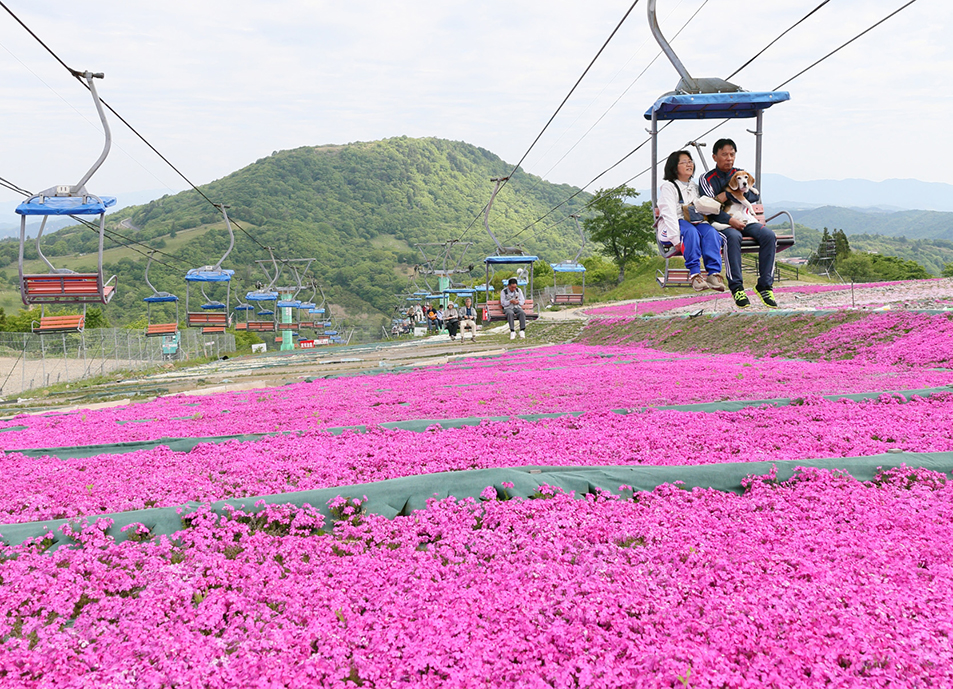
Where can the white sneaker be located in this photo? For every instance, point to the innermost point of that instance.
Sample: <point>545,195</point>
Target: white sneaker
<point>522,334</point>
<point>512,334</point>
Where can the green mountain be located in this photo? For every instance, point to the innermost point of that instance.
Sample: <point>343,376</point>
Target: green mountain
<point>357,209</point>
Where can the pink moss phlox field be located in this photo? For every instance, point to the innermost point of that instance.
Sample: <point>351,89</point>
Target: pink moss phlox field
<point>818,582</point>
<point>550,379</point>
<point>656,306</point>
<point>45,488</point>
<point>895,339</point>
<point>907,340</point>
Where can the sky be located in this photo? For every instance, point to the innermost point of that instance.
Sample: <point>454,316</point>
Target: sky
<point>216,85</point>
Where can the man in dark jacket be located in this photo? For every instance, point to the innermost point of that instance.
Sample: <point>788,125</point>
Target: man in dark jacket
<point>713,184</point>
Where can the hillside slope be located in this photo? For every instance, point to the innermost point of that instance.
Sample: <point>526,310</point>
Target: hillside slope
<point>358,209</point>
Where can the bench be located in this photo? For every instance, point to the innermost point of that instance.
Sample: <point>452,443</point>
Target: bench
<point>213,329</point>
<point>567,299</point>
<point>293,327</point>
<point>203,319</point>
<point>241,326</point>
<point>76,288</point>
<point>493,311</point>
<point>161,329</point>
<point>260,326</point>
<point>59,324</point>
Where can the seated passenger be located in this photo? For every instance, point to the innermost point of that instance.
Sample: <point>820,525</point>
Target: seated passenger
<point>698,239</point>
<point>468,314</point>
<point>512,300</point>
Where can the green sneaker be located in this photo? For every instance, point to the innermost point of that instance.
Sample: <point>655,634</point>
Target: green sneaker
<point>741,299</point>
<point>767,296</point>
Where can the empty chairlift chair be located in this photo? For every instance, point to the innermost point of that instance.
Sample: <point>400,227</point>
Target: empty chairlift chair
<point>213,314</point>
<point>61,285</point>
<point>159,328</point>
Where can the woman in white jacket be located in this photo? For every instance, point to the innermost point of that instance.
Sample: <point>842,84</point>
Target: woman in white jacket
<point>680,225</point>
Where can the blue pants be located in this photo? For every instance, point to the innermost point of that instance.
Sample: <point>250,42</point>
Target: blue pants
<point>700,241</point>
<point>767,247</point>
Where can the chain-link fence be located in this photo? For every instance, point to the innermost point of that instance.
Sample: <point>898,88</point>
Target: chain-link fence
<point>30,361</point>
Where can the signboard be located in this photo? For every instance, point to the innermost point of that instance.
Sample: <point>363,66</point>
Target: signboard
<point>306,344</point>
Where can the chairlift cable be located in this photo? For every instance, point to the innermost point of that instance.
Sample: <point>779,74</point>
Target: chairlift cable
<point>621,95</point>
<point>78,76</point>
<point>722,123</point>
<point>865,31</point>
<point>111,233</point>
<point>779,37</point>
<point>558,109</point>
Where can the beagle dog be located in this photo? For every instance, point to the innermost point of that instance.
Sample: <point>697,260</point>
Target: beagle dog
<point>736,205</point>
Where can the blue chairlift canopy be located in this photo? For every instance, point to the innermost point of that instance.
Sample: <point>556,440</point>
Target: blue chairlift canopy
<point>262,296</point>
<point>421,293</point>
<point>510,260</point>
<point>414,299</point>
<point>483,288</point>
<point>266,312</point>
<point>460,290</point>
<point>213,306</point>
<point>708,106</point>
<point>316,310</point>
<point>244,307</point>
<point>66,205</point>
<point>200,275</point>
<point>568,267</point>
<point>330,332</point>
<point>306,305</point>
<point>161,299</point>
<point>288,304</point>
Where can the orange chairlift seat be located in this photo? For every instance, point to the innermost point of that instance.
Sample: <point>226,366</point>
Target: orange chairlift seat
<point>62,285</point>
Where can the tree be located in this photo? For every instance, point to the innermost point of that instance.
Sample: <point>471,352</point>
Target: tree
<point>947,270</point>
<point>842,246</point>
<point>625,230</point>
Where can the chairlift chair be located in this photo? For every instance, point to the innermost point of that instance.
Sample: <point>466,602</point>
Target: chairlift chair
<point>62,285</point>
<point>214,315</point>
<point>570,295</point>
<point>165,328</point>
<point>701,99</point>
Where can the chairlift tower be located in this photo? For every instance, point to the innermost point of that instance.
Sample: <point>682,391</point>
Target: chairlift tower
<point>287,294</point>
<point>443,260</point>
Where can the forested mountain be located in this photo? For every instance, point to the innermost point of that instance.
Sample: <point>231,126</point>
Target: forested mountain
<point>358,209</point>
<point>909,224</point>
<point>932,254</point>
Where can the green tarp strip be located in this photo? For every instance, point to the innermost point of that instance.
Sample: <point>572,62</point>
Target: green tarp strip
<point>401,496</point>
<point>13,428</point>
<point>421,425</point>
<point>176,444</point>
